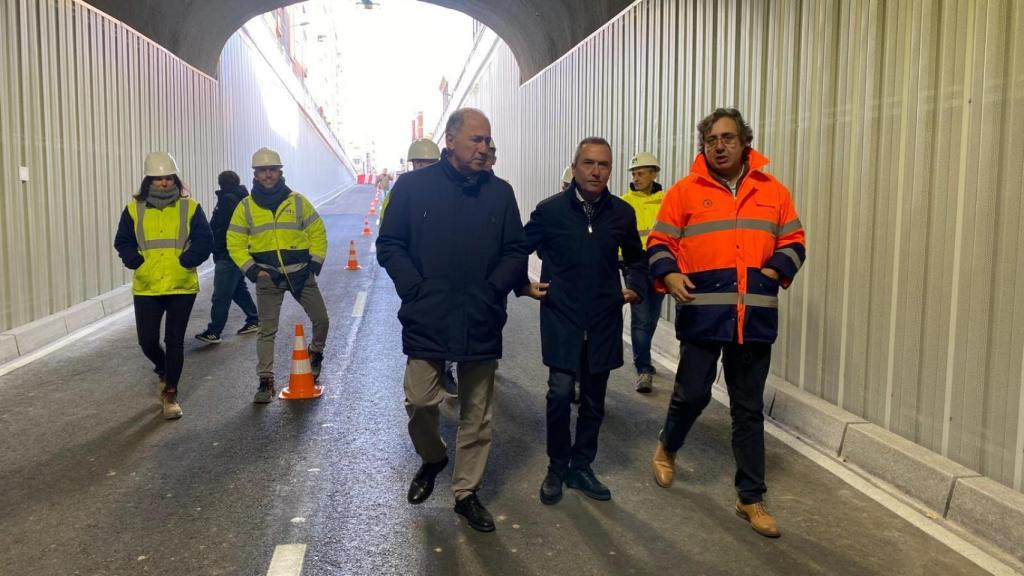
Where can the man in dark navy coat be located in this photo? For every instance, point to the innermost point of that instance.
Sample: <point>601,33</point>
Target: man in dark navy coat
<point>578,234</point>
<point>453,244</point>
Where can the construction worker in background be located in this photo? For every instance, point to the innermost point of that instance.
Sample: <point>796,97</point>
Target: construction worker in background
<point>279,242</point>
<point>726,239</point>
<point>228,282</point>
<point>422,153</point>
<point>384,181</point>
<point>645,196</point>
<point>566,178</point>
<point>163,236</point>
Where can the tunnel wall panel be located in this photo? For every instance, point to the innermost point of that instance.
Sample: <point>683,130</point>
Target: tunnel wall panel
<point>83,100</point>
<point>898,128</point>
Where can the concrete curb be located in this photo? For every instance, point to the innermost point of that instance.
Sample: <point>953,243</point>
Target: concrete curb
<point>990,510</point>
<point>810,417</point>
<point>915,470</point>
<point>980,505</point>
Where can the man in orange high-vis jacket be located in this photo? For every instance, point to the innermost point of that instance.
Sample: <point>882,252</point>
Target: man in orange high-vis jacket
<point>726,238</point>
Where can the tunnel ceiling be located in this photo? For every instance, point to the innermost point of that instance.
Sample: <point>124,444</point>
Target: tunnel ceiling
<point>537,31</point>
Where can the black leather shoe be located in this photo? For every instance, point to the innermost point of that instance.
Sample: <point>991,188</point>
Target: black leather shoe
<point>475,513</point>
<point>551,488</point>
<point>423,483</point>
<point>585,481</point>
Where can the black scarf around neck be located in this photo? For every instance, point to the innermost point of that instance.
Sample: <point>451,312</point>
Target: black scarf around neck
<point>270,198</point>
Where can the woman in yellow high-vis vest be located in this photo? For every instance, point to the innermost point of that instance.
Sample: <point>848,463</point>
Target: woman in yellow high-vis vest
<point>163,236</point>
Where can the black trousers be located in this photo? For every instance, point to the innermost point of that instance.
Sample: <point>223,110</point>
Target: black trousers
<point>562,451</point>
<point>149,311</point>
<point>746,369</point>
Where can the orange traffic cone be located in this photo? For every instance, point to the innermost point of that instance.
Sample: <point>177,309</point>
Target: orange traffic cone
<point>373,210</point>
<point>353,264</point>
<point>366,226</point>
<point>301,384</point>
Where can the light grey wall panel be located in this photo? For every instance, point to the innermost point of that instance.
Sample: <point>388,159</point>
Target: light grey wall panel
<point>82,101</point>
<point>897,127</point>
<point>260,111</point>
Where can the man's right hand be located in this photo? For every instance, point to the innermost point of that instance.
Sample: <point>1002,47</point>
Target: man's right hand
<point>263,274</point>
<point>679,287</point>
<point>536,290</point>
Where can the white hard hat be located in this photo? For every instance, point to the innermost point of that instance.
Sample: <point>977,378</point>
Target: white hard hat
<point>567,175</point>
<point>643,159</point>
<point>423,149</point>
<point>265,158</point>
<point>160,164</point>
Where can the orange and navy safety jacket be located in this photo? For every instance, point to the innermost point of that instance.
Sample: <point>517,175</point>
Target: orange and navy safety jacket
<point>721,243</point>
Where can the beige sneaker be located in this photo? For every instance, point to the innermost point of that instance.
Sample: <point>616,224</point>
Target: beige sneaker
<point>760,520</point>
<point>169,402</point>
<point>664,466</point>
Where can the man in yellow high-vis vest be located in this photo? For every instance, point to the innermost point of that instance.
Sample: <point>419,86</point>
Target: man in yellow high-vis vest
<point>279,242</point>
<point>645,196</point>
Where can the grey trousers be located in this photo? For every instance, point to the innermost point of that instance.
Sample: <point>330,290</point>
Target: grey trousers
<point>269,298</point>
<point>424,392</point>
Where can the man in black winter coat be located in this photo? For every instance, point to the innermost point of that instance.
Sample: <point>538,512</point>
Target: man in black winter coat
<point>453,244</point>
<point>228,281</point>
<point>578,234</point>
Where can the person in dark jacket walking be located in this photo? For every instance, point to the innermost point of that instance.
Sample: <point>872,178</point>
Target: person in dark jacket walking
<point>579,233</point>
<point>453,244</point>
<point>228,280</point>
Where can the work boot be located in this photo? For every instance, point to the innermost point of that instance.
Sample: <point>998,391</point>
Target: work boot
<point>474,512</point>
<point>644,382</point>
<point>551,488</point>
<point>585,481</point>
<point>664,465</point>
<point>316,360</point>
<point>760,520</point>
<point>169,403</point>
<point>265,393</point>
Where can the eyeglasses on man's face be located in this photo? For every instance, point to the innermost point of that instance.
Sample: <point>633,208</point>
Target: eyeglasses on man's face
<point>728,139</point>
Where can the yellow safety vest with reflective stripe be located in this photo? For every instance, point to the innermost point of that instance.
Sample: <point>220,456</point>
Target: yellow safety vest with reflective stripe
<point>162,235</point>
<point>646,207</point>
<point>285,240</point>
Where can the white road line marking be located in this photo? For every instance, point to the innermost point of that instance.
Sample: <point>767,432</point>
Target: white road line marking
<point>959,545</point>
<point>357,310</point>
<point>373,247</point>
<point>287,560</point>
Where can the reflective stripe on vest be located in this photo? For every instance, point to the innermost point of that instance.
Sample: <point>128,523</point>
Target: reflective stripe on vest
<point>147,244</point>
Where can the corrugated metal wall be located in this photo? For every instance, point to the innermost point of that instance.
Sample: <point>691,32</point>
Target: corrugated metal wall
<point>898,127</point>
<point>83,99</point>
<point>259,110</point>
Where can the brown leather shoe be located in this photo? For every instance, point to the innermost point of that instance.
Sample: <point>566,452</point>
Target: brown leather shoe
<point>760,520</point>
<point>664,465</point>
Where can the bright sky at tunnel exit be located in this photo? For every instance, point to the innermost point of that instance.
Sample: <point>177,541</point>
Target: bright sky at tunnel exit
<point>392,59</point>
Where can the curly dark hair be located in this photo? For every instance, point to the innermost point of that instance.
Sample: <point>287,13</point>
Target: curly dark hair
<point>704,126</point>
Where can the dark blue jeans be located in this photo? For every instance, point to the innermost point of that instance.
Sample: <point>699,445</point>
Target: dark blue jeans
<point>562,451</point>
<point>643,320</point>
<point>228,285</point>
<point>746,369</point>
